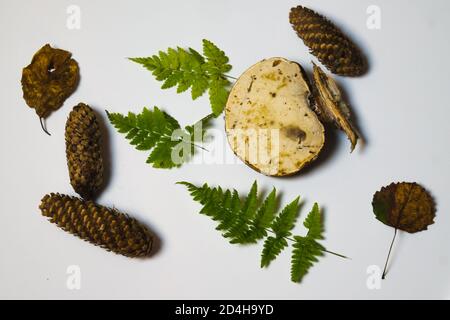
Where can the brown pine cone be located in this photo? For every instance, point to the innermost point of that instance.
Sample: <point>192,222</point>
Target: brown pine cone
<point>333,49</point>
<point>83,151</point>
<point>101,226</point>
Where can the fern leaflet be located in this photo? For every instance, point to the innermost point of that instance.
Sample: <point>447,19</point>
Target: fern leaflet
<point>306,249</point>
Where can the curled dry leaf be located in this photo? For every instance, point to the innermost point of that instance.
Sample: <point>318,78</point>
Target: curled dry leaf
<point>331,106</point>
<point>404,206</point>
<point>269,119</point>
<point>50,78</point>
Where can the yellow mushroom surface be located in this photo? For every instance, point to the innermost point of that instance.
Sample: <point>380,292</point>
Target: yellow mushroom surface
<point>269,119</point>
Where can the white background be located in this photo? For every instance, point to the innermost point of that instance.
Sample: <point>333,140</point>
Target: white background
<point>401,107</point>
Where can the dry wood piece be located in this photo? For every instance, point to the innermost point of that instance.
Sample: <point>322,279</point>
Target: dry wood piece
<point>331,106</point>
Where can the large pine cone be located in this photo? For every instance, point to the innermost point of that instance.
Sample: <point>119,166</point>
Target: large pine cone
<point>101,226</point>
<point>333,49</point>
<point>84,152</point>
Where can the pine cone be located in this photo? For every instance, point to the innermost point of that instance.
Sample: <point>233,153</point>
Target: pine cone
<point>101,226</point>
<point>333,49</point>
<point>83,151</point>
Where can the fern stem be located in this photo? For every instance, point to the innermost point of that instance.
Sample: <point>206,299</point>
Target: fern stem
<point>324,250</point>
<point>230,77</point>
<point>193,144</point>
<point>336,254</point>
<point>203,148</point>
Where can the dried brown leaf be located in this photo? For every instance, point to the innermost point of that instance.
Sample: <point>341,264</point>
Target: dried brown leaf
<point>50,78</point>
<point>404,206</point>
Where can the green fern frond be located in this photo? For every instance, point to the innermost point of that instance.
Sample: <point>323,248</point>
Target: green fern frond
<point>244,217</point>
<point>244,221</point>
<point>313,223</point>
<point>285,221</point>
<point>306,249</point>
<point>158,132</point>
<point>272,248</point>
<point>217,61</point>
<point>305,253</point>
<point>218,94</point>
<point>218,204</point>
<point>266,213</point>
<point>199,194</point>
<point>188,69</point>
<point>281,227</point>
<point>198,130</point>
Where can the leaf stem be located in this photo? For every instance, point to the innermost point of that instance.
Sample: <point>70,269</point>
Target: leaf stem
<point>230,77</point>
<point>193,144</point>
<point>41,120</point>
<point>400,214</point>
<point>336,254</point>
<point>324,250</point>
<point>203,148</point>
<point>389,254</point>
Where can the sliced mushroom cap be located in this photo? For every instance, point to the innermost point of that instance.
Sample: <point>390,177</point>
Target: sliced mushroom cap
<point>269,119</point>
